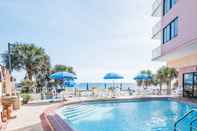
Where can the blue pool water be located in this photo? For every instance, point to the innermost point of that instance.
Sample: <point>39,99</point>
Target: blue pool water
<point>150,115</point>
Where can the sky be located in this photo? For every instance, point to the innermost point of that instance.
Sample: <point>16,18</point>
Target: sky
<point>93,36</point>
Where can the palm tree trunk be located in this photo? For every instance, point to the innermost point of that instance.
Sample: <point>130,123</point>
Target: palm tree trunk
<point>160,88</point>
<point>169,87</point>
<point>29,72</point>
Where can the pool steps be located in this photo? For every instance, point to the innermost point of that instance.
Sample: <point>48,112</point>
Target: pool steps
<point>66,111</point>
<point>76,113</point>
<point>70,114</point>
<point>81,117</point>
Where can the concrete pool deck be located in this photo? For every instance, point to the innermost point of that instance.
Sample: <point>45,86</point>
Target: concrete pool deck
<point>27,118</point>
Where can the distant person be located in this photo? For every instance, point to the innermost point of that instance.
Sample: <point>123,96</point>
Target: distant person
<point>130,92</point>
<point>54,93</point>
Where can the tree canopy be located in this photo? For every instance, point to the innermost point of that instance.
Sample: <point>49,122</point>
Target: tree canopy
<point>59,68</point>
<point>164,75</point>
<point>28,57</point>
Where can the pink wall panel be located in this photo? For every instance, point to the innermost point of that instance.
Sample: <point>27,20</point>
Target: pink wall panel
<point>186,10</point>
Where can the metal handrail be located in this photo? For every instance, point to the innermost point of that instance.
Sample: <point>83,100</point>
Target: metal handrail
<point>192,127</point>
<point>178,121</point>
<point>191,124</point>
<point>157,4</point>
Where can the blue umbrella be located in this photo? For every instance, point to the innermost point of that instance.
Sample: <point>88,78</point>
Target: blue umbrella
<point>113,76</point>
<point>143,76</point>
<point>69,83</point>
<point>63,76</point>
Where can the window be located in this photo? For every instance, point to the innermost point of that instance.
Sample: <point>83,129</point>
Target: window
<point>166,34</point>
<point>195,78</point>
<point>173,2</point>
<point>0,77</point>
<point>168,4</point>
<point>188,79</point>
<point>170,31</point>
<point>174,28</point>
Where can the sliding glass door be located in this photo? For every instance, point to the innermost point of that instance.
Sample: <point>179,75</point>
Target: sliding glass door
<point>195,84</point>
<point>190,84</point>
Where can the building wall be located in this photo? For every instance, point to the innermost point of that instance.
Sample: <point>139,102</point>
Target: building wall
<point>6,81</point>
<point>184,65</point>
<point>190,60</point>
<point>1,93</point>
<point>185,10</point>
<point>6,87</point>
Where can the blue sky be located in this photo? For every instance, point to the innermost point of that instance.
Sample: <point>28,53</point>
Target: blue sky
<point>93,36</point>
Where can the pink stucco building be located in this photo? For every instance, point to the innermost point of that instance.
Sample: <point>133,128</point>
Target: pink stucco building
<point>177,32</point>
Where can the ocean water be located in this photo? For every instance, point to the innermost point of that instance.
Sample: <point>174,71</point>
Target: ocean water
<point>123,86</point>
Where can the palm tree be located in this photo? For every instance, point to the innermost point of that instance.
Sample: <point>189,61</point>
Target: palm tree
<point>28,57</point>
<point>149,73</point>
<point>172,74</point>
<point>59,68</point>
<point>42,72</point>
<point>160,78</point>
<point>141,82</point>
<point>166,75</point>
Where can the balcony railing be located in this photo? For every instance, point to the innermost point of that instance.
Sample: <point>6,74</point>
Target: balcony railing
<point>157,31</point>
<point>156,53</point>
<point>157,8</point>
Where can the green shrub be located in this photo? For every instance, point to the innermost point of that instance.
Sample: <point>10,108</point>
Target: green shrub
<point>26,97</point>
<point>27,86</point>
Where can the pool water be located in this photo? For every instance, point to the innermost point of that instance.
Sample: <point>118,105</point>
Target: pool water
<point>150,115</point>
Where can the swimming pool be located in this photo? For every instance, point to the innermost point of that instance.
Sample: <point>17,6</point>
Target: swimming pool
<point>140,115</point>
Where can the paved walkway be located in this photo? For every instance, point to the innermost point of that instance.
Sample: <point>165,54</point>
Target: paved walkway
<point>27,118</point>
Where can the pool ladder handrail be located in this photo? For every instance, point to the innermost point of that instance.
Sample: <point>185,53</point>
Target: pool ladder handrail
<point>185,116</point>
<point>191,125</point>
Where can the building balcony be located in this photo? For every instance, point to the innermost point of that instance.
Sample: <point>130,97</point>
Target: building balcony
<point>166,53</point>
<point>156,53</point>
<point>157,31</point>
<point>157,8</point>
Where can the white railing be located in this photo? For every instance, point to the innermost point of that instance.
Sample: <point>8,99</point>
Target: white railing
<point>157,8</point>
<point>157,31</point>
<point>156,53</point>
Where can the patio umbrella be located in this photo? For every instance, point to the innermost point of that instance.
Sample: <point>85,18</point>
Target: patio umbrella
<point>69,83</point>
<point>63,76</point>
<point>67,78</point>
<point>113,76</point>
<point>143,77</point>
